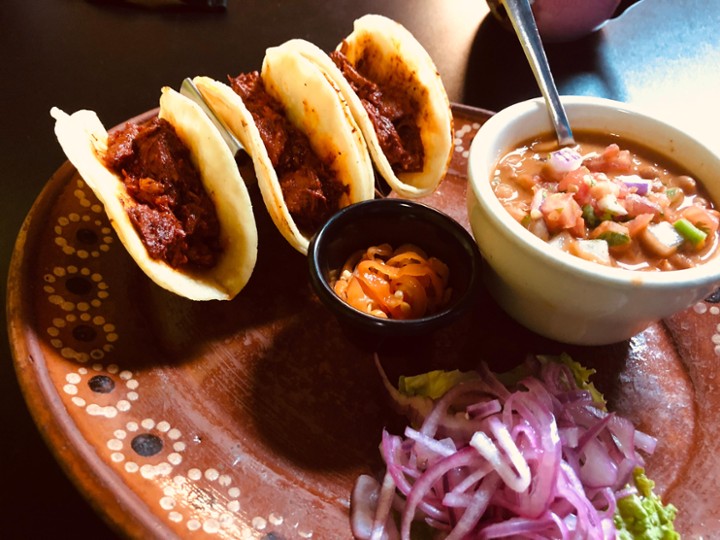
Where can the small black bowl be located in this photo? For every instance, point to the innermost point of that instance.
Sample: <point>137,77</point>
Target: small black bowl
<point>395,222</point>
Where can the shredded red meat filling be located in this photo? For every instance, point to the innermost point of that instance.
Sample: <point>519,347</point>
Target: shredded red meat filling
<point>311,190</point>
<point>393,114</point>
<point>174,215</point>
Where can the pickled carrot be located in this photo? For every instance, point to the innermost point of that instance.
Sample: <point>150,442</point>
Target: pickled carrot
<point>399,284</point>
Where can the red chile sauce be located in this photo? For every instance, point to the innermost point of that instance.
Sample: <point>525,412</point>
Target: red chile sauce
<point>310,188</point>
<point>174,215</point>
<point>392,112</point>
<point>615,190</point>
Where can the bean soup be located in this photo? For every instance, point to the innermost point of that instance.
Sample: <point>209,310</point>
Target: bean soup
<point>610,201</point>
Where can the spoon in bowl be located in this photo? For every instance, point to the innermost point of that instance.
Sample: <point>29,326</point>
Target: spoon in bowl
<point>521,16</point>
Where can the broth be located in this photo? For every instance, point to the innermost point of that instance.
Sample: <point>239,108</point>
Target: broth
<point>609,200</point>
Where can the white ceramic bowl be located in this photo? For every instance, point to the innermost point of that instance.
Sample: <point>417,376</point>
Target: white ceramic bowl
<point>557,294</point>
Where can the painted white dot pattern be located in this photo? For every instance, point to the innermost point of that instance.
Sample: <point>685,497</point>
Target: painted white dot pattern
<point>211,490</point>
<point>115,444</point>
<point>175,517</point>
<point>76,290</point>
<point>94,409</point>
<point>224,480</point>
<point>80,328</point>
<point>80,402</point>
<point>99,389</point>
<point>81,337</point>
<point>702,308</point>
<point>211,526</point>
<point>463,138</point>
<point>69,288</point>
<point>155,462</point>
<point>304,533</point>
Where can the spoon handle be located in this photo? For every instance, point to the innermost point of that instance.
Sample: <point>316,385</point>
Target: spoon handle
<point>523,21</point>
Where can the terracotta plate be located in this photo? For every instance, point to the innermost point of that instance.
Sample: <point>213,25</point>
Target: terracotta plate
<point>252,418</point>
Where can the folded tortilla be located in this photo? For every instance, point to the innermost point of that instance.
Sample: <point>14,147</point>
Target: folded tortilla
<point>392,58</point>
<point>84,141</point>
<point>312,104</point>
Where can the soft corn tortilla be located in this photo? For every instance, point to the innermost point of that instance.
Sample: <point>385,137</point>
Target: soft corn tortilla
<point>84,140</point>
<point>394,58</point>
<point>313,104</point>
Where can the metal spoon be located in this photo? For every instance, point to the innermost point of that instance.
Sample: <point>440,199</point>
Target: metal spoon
<point>188,89</point>
<point>523,21</point>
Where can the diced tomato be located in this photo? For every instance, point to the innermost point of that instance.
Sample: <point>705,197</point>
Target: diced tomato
<point>577,182</point>
<point>604,187</point>
<point>579,230</point>
<point>638,224</point>
<point>561,212</point>
<point>659,198</point>
<point>705,219</point>
<point>637,205</point>
<point>611,160</point>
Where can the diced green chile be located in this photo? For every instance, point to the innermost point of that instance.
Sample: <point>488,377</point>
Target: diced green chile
<point>690,232</point>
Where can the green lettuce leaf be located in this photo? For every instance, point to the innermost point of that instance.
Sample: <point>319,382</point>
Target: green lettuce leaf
<point>434,384</point>
<point>643,516</point>
<point>580,373</point>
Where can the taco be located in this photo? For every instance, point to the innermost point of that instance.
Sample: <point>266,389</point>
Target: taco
<point>173,193</point>
<point>398,99</point>
<point>309,156</point>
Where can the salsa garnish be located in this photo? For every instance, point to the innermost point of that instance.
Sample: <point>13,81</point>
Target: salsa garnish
<point>615,205</point>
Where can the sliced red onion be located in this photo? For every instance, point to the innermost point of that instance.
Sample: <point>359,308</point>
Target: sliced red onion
<point>363,506</point>
<point>515,474</point>
<point>483,409</point>
<point>637,184</point>
<point>645,442</point>
<point>570,436</point>
<point>439,449</point>
<point>598,469</point>
<point>518,527</point>
<point>540,459</point>
<point>480,502</point>
<point>381,523</point>
<point>459,494</point>
<point>424,484</point>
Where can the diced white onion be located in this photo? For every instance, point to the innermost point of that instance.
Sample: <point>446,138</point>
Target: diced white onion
<point>609,203</point>
<point>565,160</point>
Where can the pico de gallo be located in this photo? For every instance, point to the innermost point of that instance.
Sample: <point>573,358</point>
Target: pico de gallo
<point>609,201</point>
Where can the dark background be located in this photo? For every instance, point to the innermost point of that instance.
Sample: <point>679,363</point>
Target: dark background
<point>114,58</point>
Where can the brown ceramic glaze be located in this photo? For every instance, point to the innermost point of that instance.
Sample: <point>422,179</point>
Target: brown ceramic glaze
<point>252,418</point>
